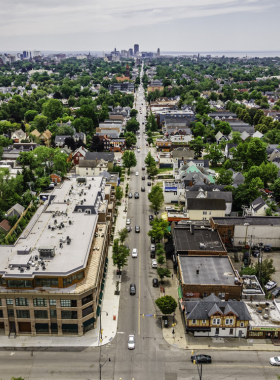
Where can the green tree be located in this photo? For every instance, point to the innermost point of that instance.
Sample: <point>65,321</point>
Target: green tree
<point>161,260</point>
<point>119,193</point>
<point>225,177</point>
<point>264,270</point>
<point>166,304</point>
<point>30,115</point>
<point>149,160</point>
<point>132,125</point>
<point>133,112</point>
<point>130,139</point>
<point>129,159</point>
<point>41,123</point>
<point>163,272</point>
<point>256,152</point>
<point>197,145</point>
<point>158,231</point>
<point>275,187</point>
<point>152,171</point>
<point>236,137</point>
<point>151,123</point>
<point>123,234</point>
<point>120,254</point>
<point>156,198</point>
<point>214,153</point>
<point>53,109</point>
<point>198,129</point>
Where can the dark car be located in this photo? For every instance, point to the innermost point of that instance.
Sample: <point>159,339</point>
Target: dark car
<point>143,177</point>
<point>149,183</point>
<point>155,282</point>
<point>153,240</point>
<point>201,359</point>
<point>149,177</point>
<point>256,253</point>
<point>151,217</point>
<point>132,289</point>
<point>165,321</point>
<point>136,195</point>
<point>153,254</point>
<point>142,188</point>
<point>143,168</point>
<point>130,195</point>
<point>275,292</point>
<point>137,228</point>
<point>267,248</point>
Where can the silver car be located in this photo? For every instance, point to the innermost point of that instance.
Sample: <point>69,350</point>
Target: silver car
<point>131,342</point>
<point>127,222</point>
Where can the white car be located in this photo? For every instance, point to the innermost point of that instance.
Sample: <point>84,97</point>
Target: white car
<point>136,173</point>
<point>154,264</point>
<point>275,360</point>
<point>134,252</point>
<point>128,222</point>
<point>131,342</point>
<point>270,285</point>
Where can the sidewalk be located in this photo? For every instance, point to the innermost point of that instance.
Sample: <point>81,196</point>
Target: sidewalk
<point>110,306</point>
<point>186,341</point>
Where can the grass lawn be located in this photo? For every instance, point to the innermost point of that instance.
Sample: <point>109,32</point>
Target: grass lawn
<point>216,168</point>
<point>164,170</point>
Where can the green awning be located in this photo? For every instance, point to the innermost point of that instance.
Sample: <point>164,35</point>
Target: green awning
<point>102,286</point>
<point>89,322</point>
<point>104,275</point>
<point>180,294</point>
<point>105,270</point>
<point>98,311</point>
<point>169,228</point>
<point>106,260</point>
<point>100,295</point>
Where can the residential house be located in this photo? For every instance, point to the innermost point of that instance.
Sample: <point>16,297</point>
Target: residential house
<point>214,194</point>
<point>155,85</point>
<point>220,137</point>
<point>259,206</point>
<point>229,146</point>
<point>222,115</point>
<point>238,178</point>
<point>106,156</point>
<point>44,137</point>
<point>91,167</point>
<point>55,178</point>
<point>79,154</point>
<point>60,140</point>
<point>214,317</point>
<point>16,210</point>
<point>205,208</point>
<point>18,136</point>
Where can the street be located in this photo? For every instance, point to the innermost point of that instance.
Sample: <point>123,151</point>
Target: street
<point>152,358</point>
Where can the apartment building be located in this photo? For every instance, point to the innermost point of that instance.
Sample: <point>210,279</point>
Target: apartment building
<point>52,278</point>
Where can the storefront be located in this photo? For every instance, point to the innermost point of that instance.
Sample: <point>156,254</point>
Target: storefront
<point>259,332</point>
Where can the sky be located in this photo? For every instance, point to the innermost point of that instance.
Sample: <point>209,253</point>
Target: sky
<point>177,25</point>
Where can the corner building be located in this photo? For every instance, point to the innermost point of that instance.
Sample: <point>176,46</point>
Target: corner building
<point>52,279</point>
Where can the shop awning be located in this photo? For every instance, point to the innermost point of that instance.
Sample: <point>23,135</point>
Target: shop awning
<point>180,293</point>
<point>98,311</point>
<point>89,322</point>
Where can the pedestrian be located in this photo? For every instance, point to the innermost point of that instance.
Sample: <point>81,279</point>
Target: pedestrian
<point>172,276</point>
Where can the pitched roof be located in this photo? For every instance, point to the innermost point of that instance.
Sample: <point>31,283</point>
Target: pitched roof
<point>214,309</point>
<point>206,204</point>
<point>258,203</point>
<point>5,225</point>
<point>98,155</point>
<point>226,195</point>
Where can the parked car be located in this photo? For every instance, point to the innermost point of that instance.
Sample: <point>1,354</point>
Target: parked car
<point>154,263</point>
<point>275,360</point>
<point>149,183</point>
<point>275,292</point>
<point>134,252</point>
<point>132,289</point>
<point>270,285</point>
<point>165,321</point>
<point>131,342</point>
<point>142,188</point>
<point>201,359</point>
<point>136,195</point>
<point>151,217</point>
<point>143,177</point>
<point>137,228</point>
<point>267,248</point>
<point>149,177</point>
<point>128,228</point>
<point>155,282</point>
<point>130,195</point>
<point>153,248</point>
<point>128,221</point>
<point>143,168</point>
<point>136,173</point>
<point>255,253</point>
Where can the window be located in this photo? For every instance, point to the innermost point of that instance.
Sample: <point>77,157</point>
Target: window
<point>204,212</point>
<point>87,310</point>
<point>23,314</point>
<point>47,282</point>
<point>87,299</point>
<point>229,321</point>
<point>203,320</point>
<point>230,331</point>
<point>216,321</point>
<point>40,302</point>
<point>194,321</point>
<point>11,313</point>
<point>68,314</point>
<point>204,294</point>
<point>209,213</point>
<point>9,301</point>
<point>69,280</point>
<point>42,314</point>
<point>22,302</point>
<point>19,284</point>
<point>0,302</point>
<point>1,313</point>
<point>241,324</point>
<point>52,302</point>
<point>68,303</point>
<point>53,313</point>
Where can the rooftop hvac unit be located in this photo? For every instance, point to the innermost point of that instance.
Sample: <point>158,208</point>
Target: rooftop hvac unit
<point>202,245</point>
<point>46,251</point>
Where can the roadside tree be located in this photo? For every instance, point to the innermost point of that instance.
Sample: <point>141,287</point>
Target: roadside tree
<point>156,198</point>
<point>166,304</point>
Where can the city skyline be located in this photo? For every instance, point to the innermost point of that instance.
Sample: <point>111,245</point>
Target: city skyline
<point>206,26</point>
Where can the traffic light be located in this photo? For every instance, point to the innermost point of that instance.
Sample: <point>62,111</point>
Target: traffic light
<point>143,315</point>
<point>101,331</point>
<point>154,316</point>
<point>194,362</point>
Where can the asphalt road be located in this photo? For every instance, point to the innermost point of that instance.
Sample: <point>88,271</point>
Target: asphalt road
<point>153,358</point>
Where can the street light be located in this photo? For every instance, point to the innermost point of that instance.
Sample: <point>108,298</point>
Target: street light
<point>199,370</point>
<point>101,365</point>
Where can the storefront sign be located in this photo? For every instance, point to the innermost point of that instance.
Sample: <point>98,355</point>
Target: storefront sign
<point>265,328</point>
<point>192,295</point>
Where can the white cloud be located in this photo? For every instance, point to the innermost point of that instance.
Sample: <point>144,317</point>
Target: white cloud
<point>58,17</point>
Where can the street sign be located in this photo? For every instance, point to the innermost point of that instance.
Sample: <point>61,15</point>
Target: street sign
<point>149,315</point>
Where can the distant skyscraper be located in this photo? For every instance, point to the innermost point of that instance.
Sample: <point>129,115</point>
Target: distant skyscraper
<point>25,54</point>
<point>136,49</point>
<point>130,52</point>
<point>158,51</point>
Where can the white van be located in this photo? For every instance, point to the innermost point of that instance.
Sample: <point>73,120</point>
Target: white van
<point>169,208</point>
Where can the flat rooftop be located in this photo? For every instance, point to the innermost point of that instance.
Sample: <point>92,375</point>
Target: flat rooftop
<point>254,220</point>
<point>213,270</point>
<point>202,239</point>
<point>264,313</point>
<point>71,211</point>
